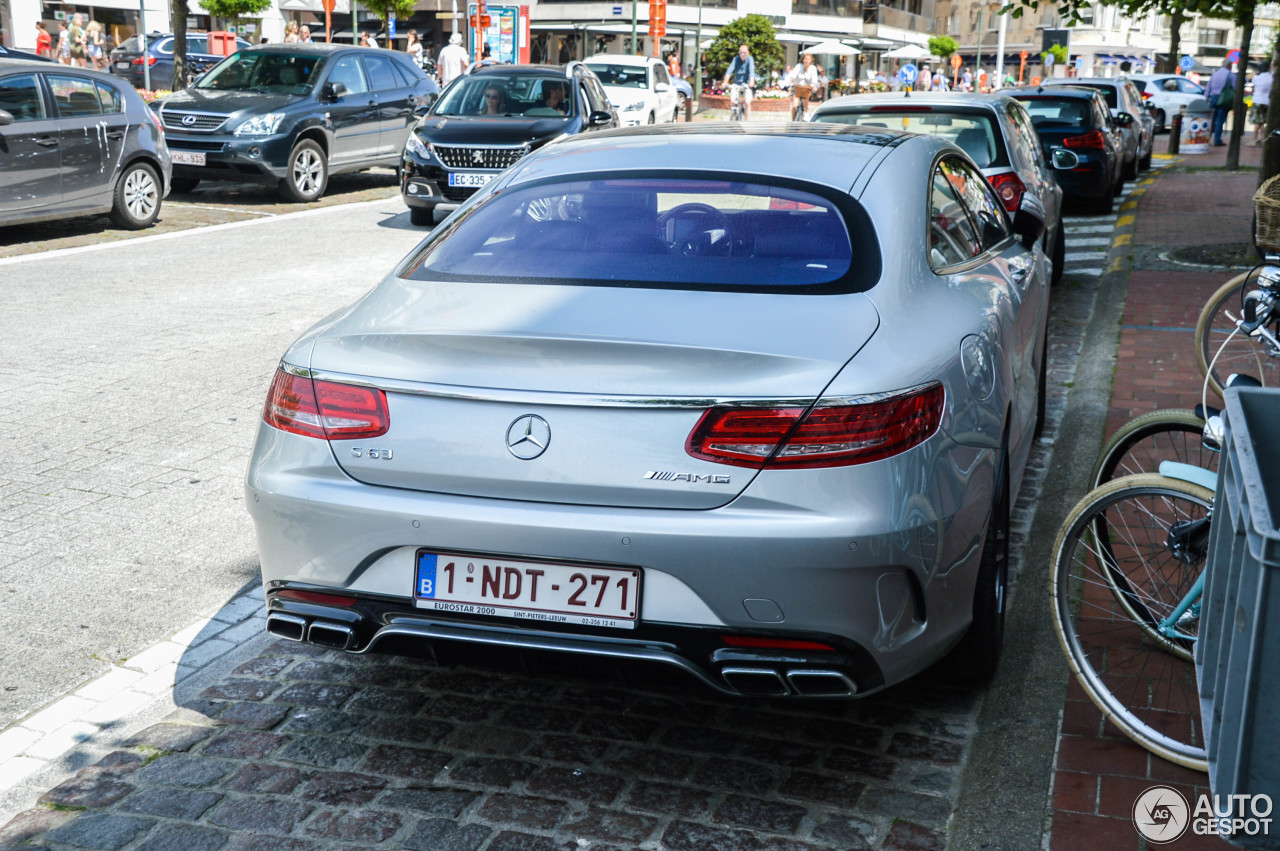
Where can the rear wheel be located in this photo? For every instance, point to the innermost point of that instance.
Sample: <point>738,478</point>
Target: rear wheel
<point>1160,121</point>
<point>1059,254</point>
<point>308,173</point>
<point>1107,598</point>
<point>136,204</point>
<point>1103,204</point>
<point>1131,169</point>
<point>976,657</point>
<point>184,184</point>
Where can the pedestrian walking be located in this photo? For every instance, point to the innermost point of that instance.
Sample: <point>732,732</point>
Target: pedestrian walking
<point>367,39</point>
<point>453,60</point>
<point>414,48</point>
<point>64,43</point>
<point>44,41</point>
<point>79,41</point>
<point>966,80</point>
<point>673,64</point>
<point>1220,94</point>
<point>94,46</point>
<point>1261,100</point>
<point>291,32</point>
<point>924,79</point>
<point>939,80</point>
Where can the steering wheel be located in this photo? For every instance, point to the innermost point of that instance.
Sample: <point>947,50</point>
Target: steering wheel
<point>705,232</point>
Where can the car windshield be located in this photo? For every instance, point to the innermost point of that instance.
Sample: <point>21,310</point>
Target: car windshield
<point>1108,92</point>
<point>973,131</point>
<point>508,96</point>
<point>624,76</point>
<point>1051,110</point>
<point>664,232</point>
<point>285,73</point>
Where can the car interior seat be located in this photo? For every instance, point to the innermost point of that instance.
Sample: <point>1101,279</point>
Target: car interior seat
<point>290,76</point>
<point>622,221</point>
<point>975,142</point>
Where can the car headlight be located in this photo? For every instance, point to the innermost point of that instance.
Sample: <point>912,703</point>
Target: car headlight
<point>414,145</point>
<point>634,107</point>
<point>261,125</point>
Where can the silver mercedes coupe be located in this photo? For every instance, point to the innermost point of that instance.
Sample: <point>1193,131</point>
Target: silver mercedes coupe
<point>750,402</point>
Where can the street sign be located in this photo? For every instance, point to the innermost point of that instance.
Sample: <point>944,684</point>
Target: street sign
<point>956,60</point>
<point>908,73</point>
<point>449,16</point>
<point>1048,61</point>
<point>1186,63</point>
<point>1035,81</point>
<point>1233,56</point>
<point>617,10</point>
<point>481,22</point>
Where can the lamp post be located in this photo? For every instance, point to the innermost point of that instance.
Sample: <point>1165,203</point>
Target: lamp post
<point>697,62</point>
<point>1004,27</point>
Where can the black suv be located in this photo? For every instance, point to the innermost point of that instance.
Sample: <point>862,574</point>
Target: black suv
<point>489,118</point>
<point>127,60</point>
<point>295,113</point>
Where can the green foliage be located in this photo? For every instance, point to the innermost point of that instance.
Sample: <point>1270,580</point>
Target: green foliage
<point>1070,9</point>
<point>385,9</point>
<point>942,45</point>
<point>1059,54</point>
<point>755,32</point>
<point>235,9</point>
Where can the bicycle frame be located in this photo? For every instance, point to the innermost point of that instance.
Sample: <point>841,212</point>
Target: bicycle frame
<point>1187,541</point>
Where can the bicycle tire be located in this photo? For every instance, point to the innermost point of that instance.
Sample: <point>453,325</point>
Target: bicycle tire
<point>1172,434</point>
<point>1243,354</point>
<point>1146,691</point>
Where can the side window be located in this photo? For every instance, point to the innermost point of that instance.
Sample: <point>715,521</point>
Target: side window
<point>660,74</point>
<point>596,99</point>
<point>988,215</point>
<point>20,97</point>
<point>402,74</point>
<point>951,236</point>
<point>196,44</point>
<point>75,96</point>
<point>110,97</point>
<point>1027,131</point>
<point>1189,87</point>
<point>165,45</point>
<point>347,71</point>
<point>380,74</point>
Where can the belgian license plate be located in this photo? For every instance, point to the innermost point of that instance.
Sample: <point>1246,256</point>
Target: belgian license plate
<point>123,66</point>
<point>187,157</point>
<point>468,178</point>
<point>545,592</point>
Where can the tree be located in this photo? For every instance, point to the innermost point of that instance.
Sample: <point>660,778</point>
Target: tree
<point>942,46</point>
<point>178,11</point>
<point>1059,53</point>
<point>756,33</point>
<point>235,9</point>
<point>1240,11</point>
<point>388,9</point>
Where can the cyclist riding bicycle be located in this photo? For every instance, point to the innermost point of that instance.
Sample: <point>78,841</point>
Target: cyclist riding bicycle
<point>804,79</point>
<point>742,73</point>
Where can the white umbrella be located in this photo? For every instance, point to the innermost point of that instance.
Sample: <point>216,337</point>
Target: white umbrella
<point>833,47</point>
<point>707,43</point>
<point>909,51</point>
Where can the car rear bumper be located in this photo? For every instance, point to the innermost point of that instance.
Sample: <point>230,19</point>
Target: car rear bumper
<point>890,581</point>
<point>1086,180</point>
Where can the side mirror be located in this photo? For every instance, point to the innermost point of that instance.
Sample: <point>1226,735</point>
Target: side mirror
<point>424,107</point>
<point>1064,160</point>
<point>661,87</point>
<point>1028,222</point>
<point>599,118</point>
<point>197,78</point>
<point>333,91</point>
<point>1123,119</point>
<point>6,117</point>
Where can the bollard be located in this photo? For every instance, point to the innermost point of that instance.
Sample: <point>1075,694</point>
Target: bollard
<point>1175,133</point>
<point>688,109</point>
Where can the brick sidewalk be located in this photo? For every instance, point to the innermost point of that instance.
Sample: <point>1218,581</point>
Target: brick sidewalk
<point>1099,773</point>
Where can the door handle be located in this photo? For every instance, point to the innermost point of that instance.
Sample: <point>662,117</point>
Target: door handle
<point>115,134</point>
<point>373,103</point>
<point>1019,274</point>
<point>47,142</point>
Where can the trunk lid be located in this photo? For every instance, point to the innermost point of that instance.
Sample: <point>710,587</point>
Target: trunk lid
<point>617,379</point>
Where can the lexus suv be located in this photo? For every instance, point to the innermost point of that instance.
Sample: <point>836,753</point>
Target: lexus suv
<point>293,114</point>
<point>486,120</point>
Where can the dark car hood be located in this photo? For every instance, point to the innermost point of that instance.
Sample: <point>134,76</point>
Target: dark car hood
<point>472,130</point>
<point>229,102</point>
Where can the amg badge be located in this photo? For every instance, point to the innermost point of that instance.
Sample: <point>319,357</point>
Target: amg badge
<point>691,478</point>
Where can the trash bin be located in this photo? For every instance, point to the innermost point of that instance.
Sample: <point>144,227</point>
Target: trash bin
<point>1238,651</point>
<point>1197,125</point>
<point>222,43</point>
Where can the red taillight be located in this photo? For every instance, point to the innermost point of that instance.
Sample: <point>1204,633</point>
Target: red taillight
<point>317,597</point>
<point>1010,188</point>
<point>325,409</point>
<point>1093,139</point>
<point>1147,96</point>
<point>151,60</point>
<point>773,643</point>
<point>832,436</point>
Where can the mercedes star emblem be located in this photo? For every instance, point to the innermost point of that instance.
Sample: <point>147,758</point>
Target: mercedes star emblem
<point>528,437</point>
<point>188,120</point>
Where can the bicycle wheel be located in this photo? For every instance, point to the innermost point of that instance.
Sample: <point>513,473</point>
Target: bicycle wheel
<point>1128,670</point>
<point>1247,355</point>
<point>1143,442</point>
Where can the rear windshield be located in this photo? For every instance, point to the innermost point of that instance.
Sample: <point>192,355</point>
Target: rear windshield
<point>974,132</point>
<point>625,76</point>
<point>1108,93</point>
<point>1045,111</point>
<point>656,232</point>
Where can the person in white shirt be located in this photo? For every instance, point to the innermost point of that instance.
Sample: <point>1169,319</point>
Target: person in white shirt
<point>803,76</point>
<point>1261,100</point>
<point>939,81</point>
<point>453,59</point>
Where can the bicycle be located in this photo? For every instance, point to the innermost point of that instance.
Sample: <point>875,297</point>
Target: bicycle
<point>1220,347</point>
<point>802,94</point>
<point>737,110</point>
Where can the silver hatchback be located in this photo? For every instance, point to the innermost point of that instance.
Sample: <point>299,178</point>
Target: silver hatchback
<point>758,417</point>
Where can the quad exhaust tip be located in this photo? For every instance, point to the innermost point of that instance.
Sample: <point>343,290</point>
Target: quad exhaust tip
<point>288,627</point>
<point>800,682</point>
<point>332,635</point>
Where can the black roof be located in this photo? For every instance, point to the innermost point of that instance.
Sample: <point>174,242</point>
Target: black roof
<point>879,136</point>
<point>519,70</point>
<point>319,48</point>
<point>1057,91</point>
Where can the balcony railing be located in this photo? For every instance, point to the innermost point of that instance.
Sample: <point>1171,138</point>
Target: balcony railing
<point>839,8</point>
<point>890,17</point>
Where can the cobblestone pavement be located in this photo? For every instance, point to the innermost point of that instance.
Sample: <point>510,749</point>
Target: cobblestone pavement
<point>300,747</point>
